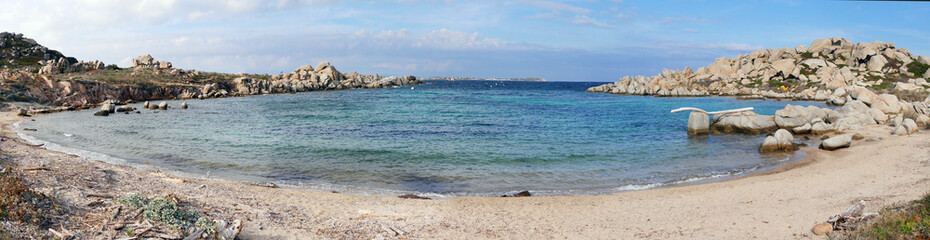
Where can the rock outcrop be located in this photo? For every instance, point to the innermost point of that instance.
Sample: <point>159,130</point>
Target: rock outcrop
<point>803,73</point>
<point>17,51</point>
<point>307,78</point>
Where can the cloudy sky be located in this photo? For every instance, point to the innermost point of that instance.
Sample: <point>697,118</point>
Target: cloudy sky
<point>580,40</point>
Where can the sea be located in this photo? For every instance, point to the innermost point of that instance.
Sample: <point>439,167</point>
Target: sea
<point>440,139</point>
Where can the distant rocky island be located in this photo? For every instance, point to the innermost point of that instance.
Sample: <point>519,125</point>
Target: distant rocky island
<point>30,72</point>
<point>822,71</point>
<point>529,79</point>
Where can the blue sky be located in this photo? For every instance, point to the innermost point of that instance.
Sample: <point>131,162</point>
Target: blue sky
<point>581,40</point>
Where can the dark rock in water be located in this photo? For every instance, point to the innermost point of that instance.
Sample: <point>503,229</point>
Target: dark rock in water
<point>805,138</point>
<point>183,105</point>
<point>22,113</point>
<point>102,113</point>
<point>825,137</point>
<point>30,129</point>
<point>412,196</point>
<point>125,109</point>
<point>519,194</point>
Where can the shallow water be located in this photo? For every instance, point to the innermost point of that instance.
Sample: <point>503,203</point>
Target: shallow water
<point>445,138</point>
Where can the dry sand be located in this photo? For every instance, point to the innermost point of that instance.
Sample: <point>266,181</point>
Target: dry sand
<point>782,204</point>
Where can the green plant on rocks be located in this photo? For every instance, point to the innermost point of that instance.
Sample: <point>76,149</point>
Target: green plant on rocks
<point>807,55</point>
<point>917,68</point>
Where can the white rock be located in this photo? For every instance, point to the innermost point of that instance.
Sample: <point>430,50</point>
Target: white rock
<point>910,126</point>
<point>878,115</point>
<point>837,142</point>
<point>821,128</point>
<point>803,129</point>
<point>698,123</point>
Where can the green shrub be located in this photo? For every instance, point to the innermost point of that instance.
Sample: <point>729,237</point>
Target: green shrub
<point>166,211</point>
<point>917,68</point>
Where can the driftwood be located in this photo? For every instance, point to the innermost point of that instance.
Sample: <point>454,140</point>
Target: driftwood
<point>100,195</point>
<point>852,218</point>
<point>36,169</point>
<point>713,113</point>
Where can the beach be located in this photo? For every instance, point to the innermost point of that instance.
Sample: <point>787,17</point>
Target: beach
<point>780,204</point>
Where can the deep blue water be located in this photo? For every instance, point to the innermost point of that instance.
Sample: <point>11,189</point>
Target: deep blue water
<point>449,138</point>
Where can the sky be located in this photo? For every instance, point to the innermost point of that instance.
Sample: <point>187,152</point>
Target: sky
<point>579,40</point>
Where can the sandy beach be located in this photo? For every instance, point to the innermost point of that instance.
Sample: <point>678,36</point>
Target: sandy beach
<point>781,204</point>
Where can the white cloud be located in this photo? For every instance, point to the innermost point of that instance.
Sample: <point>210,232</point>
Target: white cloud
<point>555,6</point>
<point>741,47</point>
<point>585,20</point>
<point>683,19</point>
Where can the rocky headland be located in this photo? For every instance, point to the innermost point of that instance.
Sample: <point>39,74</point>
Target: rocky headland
<point>814,72</point>
<point>30,72</point>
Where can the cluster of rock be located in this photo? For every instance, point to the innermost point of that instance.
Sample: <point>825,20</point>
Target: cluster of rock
<point>147,61</point>
<point>861,107</point>
<point>803,73</point>
<point>19,51</point>
<point>65,65</point>
<point>112,106</point>
<point>305,78</point>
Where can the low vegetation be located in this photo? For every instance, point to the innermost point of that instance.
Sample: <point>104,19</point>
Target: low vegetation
<point>18,202</point>
<point>168,210</point>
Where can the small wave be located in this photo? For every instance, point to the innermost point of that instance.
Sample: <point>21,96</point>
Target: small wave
<point>637,187</point>
<point>68,150</point>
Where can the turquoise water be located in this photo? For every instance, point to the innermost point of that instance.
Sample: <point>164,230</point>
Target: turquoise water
<point>445,138</point>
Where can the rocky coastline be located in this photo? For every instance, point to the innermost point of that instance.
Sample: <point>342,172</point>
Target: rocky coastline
<point>814,72</point>
<point>32,73</point>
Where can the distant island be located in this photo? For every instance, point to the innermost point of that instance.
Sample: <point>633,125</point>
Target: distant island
<point>529,79</point>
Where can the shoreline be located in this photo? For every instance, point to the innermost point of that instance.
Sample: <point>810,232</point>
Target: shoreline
<point>177,171</point>
<point>781,203</point>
